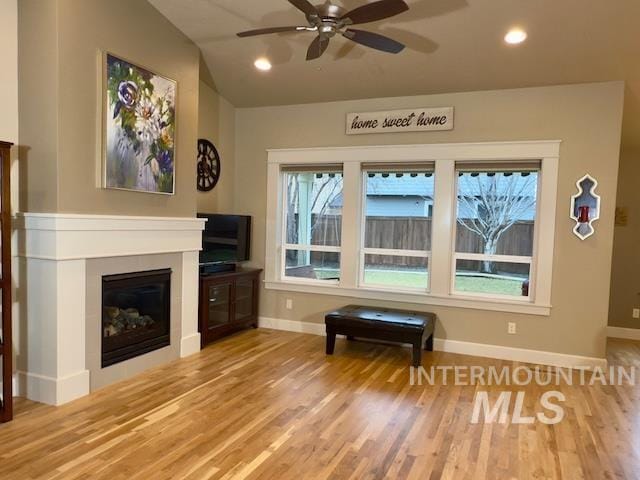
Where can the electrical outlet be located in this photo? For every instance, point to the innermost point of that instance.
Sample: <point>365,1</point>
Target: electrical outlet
<point>511,328</point>
<point>636,313</point>
<point>289,304</point>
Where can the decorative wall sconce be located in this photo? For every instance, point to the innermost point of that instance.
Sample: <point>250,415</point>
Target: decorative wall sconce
<point>585,207</point>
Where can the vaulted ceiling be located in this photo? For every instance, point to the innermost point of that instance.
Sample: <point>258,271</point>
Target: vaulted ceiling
<point>452,46</point>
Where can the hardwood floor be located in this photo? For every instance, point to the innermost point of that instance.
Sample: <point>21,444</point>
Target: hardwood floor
<point>270,405</point>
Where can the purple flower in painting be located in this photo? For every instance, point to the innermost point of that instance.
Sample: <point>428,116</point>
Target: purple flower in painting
<point>128,94</point>
<point>165,161</point>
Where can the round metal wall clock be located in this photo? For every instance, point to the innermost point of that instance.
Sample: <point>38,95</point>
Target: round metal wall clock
<point>208,165</point>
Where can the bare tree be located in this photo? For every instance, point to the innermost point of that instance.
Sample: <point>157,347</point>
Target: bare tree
<point>493,204</point>
<point>322,200</point>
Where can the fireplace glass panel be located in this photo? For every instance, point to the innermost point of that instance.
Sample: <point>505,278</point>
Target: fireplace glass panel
<point>135,314</point>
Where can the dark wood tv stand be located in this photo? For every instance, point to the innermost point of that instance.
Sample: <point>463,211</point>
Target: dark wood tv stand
<point>228,302</point>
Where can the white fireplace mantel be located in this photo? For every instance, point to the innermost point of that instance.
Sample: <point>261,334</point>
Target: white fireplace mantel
<point>71,237</point>
<point>53,251</point>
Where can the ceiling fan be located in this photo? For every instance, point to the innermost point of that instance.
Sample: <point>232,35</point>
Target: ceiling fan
<point>328,20</point>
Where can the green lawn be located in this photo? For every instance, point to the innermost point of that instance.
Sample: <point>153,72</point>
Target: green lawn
<point>417,279</point>
<point>397,278</point>
<point>500,286</point>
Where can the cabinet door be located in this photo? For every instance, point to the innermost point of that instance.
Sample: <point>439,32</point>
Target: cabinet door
<point>218,298</point>
<point>244,302</point>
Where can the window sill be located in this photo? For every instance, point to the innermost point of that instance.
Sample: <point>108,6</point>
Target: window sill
<point>495,305</point>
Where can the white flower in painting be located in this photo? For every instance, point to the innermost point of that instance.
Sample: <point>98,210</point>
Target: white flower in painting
<point>148,120</point>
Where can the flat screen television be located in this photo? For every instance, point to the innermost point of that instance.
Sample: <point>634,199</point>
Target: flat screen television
<point>226,239</point>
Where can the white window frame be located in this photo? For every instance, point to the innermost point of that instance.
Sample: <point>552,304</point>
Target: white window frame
<point>364,251</point>
<point>441,269</point>
<point>300,247</point>
<point>531,261</point>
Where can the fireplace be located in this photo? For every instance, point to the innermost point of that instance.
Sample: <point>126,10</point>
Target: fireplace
<point>135,314</point>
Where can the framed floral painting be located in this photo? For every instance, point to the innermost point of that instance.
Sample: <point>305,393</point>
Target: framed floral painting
<point>139,128</point>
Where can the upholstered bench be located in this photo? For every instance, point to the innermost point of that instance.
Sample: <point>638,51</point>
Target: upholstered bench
<point>385,324</point>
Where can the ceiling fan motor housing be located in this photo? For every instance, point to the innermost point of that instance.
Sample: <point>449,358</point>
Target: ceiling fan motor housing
<point>329,11</point>
<point>329,22</point>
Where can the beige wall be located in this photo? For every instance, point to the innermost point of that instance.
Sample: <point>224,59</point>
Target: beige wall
<point>216,123</point>
<point>9,71</point>
<point>38,102</point>
<point>61,41</point>
<point>9,122</point>
<point>587,118</point>
<point>625,281</point>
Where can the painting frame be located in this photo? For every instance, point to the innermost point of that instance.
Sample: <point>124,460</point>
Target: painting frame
<point>107,120</point>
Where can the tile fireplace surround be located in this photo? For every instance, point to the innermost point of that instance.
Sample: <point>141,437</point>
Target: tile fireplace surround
<point>62,259</point>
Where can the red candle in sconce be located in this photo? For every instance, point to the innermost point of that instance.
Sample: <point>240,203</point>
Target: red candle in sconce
<point>583,216</point>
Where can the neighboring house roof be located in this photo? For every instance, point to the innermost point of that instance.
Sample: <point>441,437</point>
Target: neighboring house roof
<point>404,186</point>
<point>388,206</point>
<point>387,191</point>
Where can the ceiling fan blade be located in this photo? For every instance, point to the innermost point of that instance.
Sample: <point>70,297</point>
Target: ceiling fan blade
<point>303,5</point>
<point>264,31</point>
<point>317,47</point>
<point>373,40</point>
<point>375,11</point>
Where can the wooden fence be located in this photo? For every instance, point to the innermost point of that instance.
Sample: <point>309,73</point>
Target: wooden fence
<point>409,233</point>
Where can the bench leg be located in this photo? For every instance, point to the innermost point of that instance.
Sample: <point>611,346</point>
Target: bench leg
<point>417,354</point>
<point>428,345</point>
<point>331,341</point>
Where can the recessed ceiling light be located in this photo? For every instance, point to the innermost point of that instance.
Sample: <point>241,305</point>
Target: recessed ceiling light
<point>515,36</point>
<point>263,64</point>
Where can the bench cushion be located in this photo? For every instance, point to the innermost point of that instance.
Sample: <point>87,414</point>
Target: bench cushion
<point>380,318</point>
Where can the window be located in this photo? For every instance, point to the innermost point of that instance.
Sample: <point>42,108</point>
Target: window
<point>398,208</point>
<point>496,215</point>
<point>313,223</point>
<point>456,225</point>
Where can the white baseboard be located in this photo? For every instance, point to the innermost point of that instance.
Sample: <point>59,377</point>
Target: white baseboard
<point>292,326</point>
<point>621,332</point>
<point>53,391</point>
<point>463,348</point>
<point>539,357</point>
<point>190,345</point>
<point>17,387</point>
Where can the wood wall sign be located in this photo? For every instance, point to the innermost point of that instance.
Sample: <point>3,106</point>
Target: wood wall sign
<point>411,120</point>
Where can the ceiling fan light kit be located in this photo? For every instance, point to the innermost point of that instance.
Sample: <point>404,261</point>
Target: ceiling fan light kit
<point>328,20</point>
